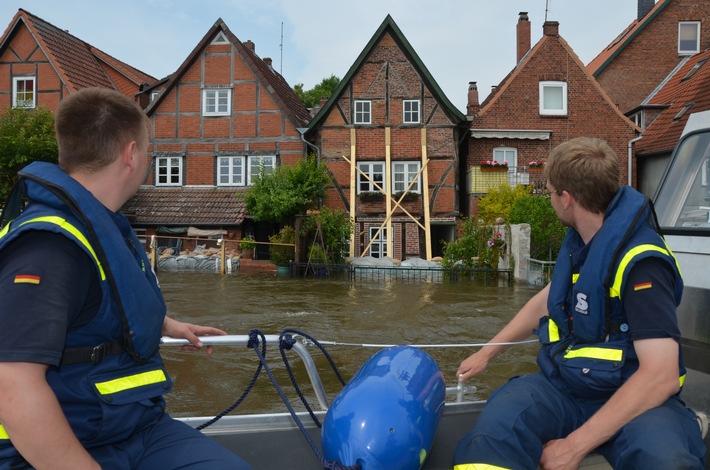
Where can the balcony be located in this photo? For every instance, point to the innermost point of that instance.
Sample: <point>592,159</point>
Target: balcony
<point>479,182</point>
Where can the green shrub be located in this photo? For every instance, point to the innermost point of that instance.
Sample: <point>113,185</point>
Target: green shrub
<point>546,231</point>
<point>479,246</point>
<point>335,230</point>
<point>497,203</point>
<point>281,254</point>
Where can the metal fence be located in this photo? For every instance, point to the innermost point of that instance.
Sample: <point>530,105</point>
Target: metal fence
<point>398,273</point>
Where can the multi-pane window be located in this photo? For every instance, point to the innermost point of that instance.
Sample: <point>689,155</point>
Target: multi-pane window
<point>404,173</point>
<point>553,98</point>
<point>23,92</point>
<point>216,101</point>
<point>375,171</point>
<point>363,112</point>
<point>230,171</point>
<point>168,171</point>
<point>259,165</point>
<point>411,112</point>
<point>378,247</point>
<point>688,37</point>
<point>508,155</point>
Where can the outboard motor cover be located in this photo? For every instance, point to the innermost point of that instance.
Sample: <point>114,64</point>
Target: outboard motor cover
<point>387,416</point>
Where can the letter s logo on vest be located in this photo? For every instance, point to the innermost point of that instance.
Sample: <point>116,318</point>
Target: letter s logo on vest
<point>582,306</point>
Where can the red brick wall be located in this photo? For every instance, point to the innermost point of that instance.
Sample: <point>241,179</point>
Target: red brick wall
<point>638,69</point>
<point>256,125</point>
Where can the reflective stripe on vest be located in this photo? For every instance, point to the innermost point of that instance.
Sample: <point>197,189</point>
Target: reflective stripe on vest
<point>3,433</point>
<point>615,289</point>
<point>478,466</point>
<point>553,331</point>
<point>67,227</point>
<point>131,381</point>
<point>606,354</point>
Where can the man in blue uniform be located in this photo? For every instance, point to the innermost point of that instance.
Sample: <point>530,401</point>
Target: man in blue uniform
<point>81,379</point>
<point>610,359</point>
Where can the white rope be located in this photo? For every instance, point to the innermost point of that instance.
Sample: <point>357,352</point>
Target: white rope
<point>424,346</point>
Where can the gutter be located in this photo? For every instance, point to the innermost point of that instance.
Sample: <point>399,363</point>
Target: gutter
<point>630,158</point>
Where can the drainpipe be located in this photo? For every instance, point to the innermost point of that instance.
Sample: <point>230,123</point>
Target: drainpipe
<point>630,158</point>
<point>302,131</point>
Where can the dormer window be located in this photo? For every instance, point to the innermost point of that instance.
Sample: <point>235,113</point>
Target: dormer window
<point>688,37</point>
<point>553,98</point>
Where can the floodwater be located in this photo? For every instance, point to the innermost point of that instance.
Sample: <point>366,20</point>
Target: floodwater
<point>372,312</point>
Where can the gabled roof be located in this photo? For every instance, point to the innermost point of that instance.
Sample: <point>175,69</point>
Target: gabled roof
<point>201,206</point>
<point>275,84</point>
<point>388,25</point>
<point>490,101</point>
<point>605,57</point>
<point>79,64</point>
<point>685,92</point>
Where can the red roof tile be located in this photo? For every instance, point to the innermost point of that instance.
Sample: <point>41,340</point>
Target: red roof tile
<point>685,88</point>
<point>186,205</point>
<point>76,61</point>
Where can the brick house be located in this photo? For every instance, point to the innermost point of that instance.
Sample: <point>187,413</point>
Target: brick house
<point>655,47</point>
<point>40,64</point>
<point>547,99</point>
<point>683,92</point>
<point>656,42</point>
<point>390,138</point>
<point>224,115</point>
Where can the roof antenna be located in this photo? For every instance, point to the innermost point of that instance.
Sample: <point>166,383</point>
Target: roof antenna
<point>546,9</point>
<point>281,68</point>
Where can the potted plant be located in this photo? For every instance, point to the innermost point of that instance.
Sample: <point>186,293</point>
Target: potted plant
<point>247,245</point>
<point>536,165</point>
<point>493,165</point>
<point>372,196</point>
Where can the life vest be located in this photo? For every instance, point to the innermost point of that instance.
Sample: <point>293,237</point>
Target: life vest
<point>586,335</point>
<point>107,397</point>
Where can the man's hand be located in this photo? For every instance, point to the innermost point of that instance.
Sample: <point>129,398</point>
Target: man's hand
<point>561,454</point>
<point>190,332</point>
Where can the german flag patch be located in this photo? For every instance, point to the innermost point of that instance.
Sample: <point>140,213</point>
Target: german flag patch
<point>26,279</point>
<point>643,285</point>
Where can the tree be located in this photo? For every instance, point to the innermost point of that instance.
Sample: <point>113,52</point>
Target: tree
<point>324,89</point>
<point>26,135</point>
<point>287,191</point>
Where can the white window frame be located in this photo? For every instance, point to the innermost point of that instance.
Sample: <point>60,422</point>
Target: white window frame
<point>154,95</point>
<point>168,171</point>
<point>231,168</point>
<point>550,85</point>
<point>257,163</point>
<point>506,154</point>
<point>403,173</point>
<point>222,105</point>
<point>360,114</point>
<point>413,114</point>
<point>372,169</point>
<point>378,246</point>
<point>25,103</point>
<point>685,25</point>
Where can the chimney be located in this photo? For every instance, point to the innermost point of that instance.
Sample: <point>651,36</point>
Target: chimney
<point>523,35</point>
<point>644,7</point>
<point>473,105</point>
<point>551,28</point>
<point>250,45</point>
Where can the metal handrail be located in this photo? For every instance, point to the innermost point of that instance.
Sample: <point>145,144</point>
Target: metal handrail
<point>300,347</point>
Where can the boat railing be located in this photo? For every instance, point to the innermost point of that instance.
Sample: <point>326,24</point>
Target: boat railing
<point>300,347</point>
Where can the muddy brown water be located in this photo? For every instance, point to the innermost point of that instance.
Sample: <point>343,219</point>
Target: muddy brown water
<point>380,312</point>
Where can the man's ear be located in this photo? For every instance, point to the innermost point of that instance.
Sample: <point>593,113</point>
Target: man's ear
<point>128,155</point>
